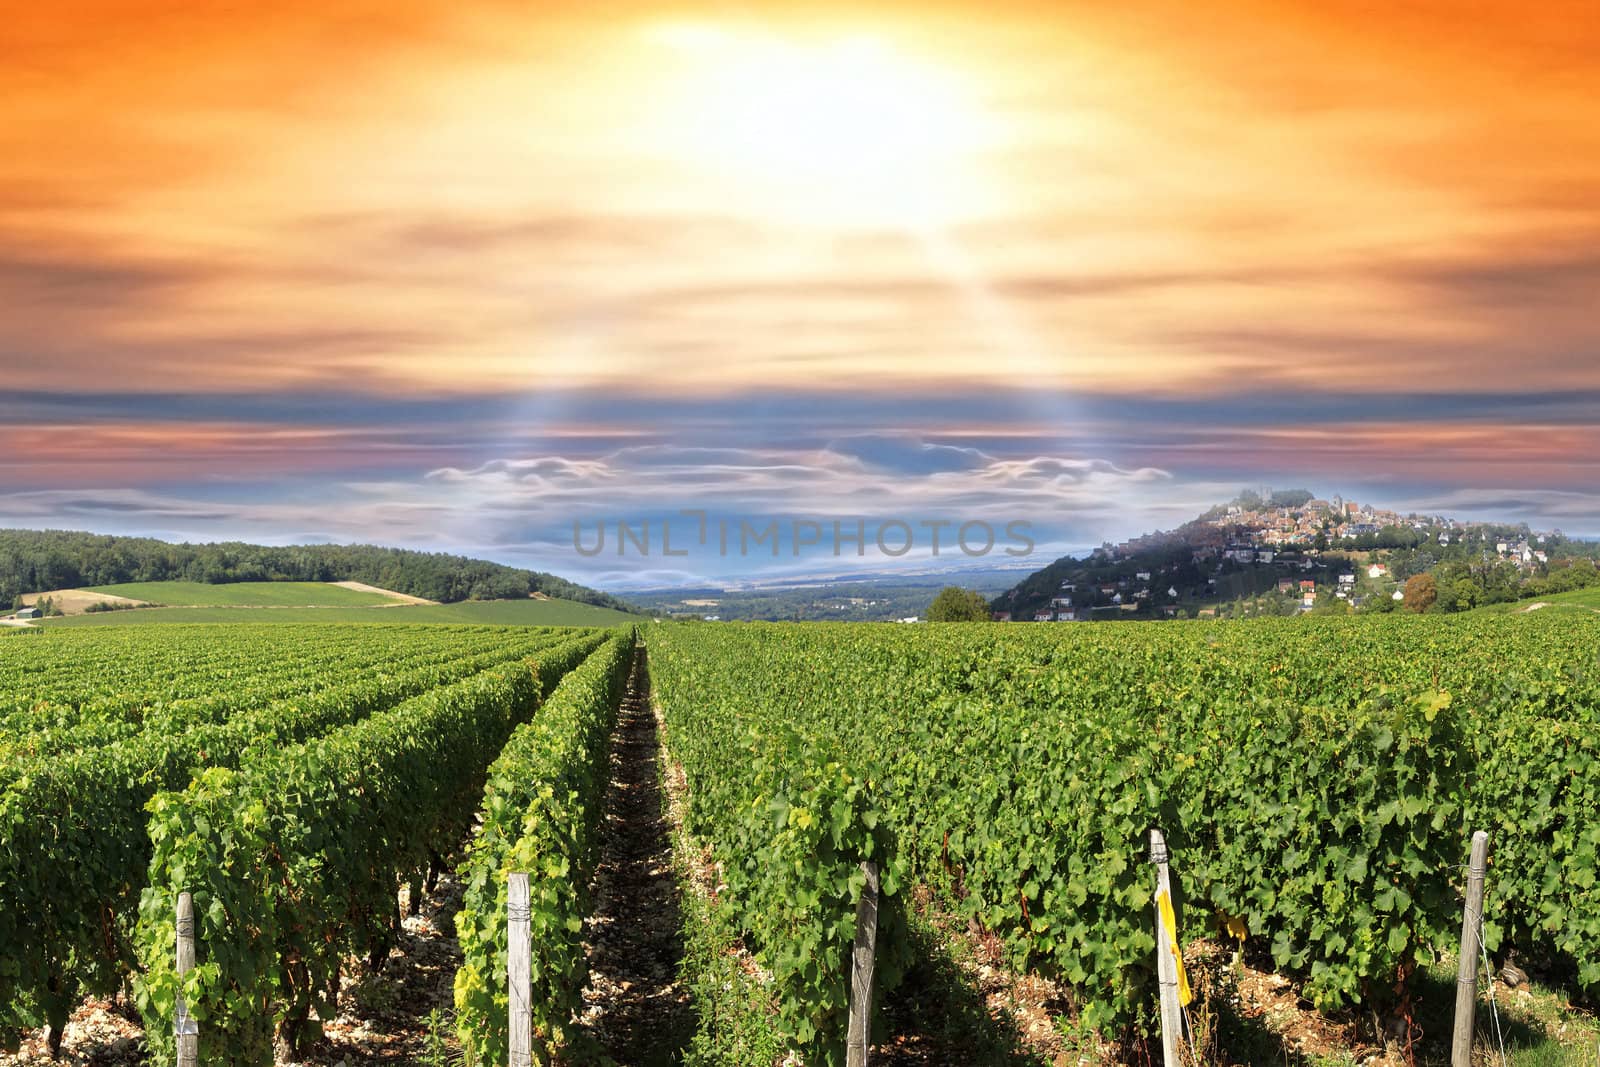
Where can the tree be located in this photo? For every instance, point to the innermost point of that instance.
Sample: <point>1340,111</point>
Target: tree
<point>1421,592</point>
<point>1467,594</point>
<point>955,604</point>
<point>1379,601</point>
<point>1292,498</point>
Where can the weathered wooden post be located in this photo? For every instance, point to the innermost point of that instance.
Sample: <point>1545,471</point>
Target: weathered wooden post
<point>519,969</point>
<point>1467,966</point>
<point>1166,962</point>
<point>859,1039</point>
<point>184,1026</point>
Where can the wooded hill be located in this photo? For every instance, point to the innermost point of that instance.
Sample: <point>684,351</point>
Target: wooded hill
<point>41,560</point>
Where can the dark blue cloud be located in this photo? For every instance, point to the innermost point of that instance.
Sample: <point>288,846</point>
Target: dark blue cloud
<point>827,416</point>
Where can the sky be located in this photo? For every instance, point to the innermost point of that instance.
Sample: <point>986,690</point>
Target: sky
<point>491,277</point>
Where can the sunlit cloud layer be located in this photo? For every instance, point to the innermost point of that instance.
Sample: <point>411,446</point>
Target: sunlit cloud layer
<point>1093,262</point>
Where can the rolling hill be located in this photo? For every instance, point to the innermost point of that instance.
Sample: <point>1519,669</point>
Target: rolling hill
<point>33,561</point>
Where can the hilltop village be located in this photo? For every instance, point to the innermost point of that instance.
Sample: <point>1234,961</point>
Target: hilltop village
<point>1292,552</point>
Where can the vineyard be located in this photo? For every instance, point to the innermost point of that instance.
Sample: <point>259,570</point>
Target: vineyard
<point>1317,781</point>
<point>290,777</point>
<point>1320,782</point>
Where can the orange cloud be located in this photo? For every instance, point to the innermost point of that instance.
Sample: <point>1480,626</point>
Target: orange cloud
<point>1153,197</point>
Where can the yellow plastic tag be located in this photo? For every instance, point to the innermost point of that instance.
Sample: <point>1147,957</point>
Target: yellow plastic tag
<point>1170,923</point>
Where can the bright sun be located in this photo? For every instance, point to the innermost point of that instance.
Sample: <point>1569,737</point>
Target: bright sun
<point>848,133</point>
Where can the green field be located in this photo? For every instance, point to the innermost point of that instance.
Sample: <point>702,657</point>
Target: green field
<point>482,612</point>
<point>245,594</point>
<point>1579,600</point>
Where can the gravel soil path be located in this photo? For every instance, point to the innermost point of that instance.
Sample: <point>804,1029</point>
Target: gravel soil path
<point>635,1011</point>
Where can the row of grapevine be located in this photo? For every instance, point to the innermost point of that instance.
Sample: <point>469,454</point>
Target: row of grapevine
<point>1536,787</point>
<point>75,667</point>
<point>1317,776</point>
<point>540,814</point>
<point>60,719</point>
<point>67,677</point>
<point>789,810</point>
<point>295,859</point>
<point>75,848</point>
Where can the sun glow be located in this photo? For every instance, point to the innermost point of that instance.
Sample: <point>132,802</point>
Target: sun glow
<point>850,132</point>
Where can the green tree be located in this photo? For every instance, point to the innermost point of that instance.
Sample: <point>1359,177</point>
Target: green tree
<point>1379,602</point>
<point>1421,592</point>
<point>955,604</point>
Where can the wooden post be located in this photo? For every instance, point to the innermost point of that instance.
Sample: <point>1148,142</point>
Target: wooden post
<point>1166,966</point>
<point>859,1039</point>
<point>184,1026</point>
<point>519,970</point>
<point>1467,966</point>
